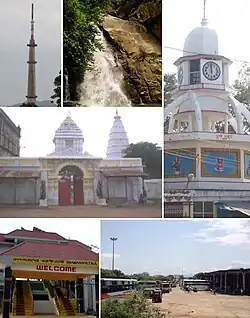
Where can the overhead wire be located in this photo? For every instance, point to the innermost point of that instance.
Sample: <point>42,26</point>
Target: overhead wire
<point>196,53</point>
<point>195,156</point>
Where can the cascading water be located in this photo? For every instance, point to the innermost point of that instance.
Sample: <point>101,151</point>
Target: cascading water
<point>102,84</point>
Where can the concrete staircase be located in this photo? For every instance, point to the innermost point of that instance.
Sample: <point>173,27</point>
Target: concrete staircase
<point>28,299</point>
<point>64,305</point>
<point>23,304</point>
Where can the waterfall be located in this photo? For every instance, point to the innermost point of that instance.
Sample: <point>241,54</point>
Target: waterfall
<point>102,84</point>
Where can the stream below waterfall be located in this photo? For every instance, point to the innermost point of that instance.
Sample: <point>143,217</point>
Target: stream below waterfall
<point>102,84</point>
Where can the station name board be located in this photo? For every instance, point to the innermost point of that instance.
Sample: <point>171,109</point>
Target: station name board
<point>56,268</point>
<point>49,261</point>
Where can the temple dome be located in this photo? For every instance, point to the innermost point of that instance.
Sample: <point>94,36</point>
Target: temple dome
<point>68,128</point>
<point>68,139</point>
<point>118,139</point>
<point>201,40</point>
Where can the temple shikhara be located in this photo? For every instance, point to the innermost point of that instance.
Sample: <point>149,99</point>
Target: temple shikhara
<point>72,176</point>
<point>43,273</point>
<point>207,151</point>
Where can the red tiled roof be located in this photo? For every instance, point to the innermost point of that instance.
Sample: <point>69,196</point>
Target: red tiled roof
<point>2,237</point>
<point>52,250</point>
<point>75,242</point>
<point>36,234</point>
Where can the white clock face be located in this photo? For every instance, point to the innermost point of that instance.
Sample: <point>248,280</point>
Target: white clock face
<point>211,71</point>
<point>180,75</point>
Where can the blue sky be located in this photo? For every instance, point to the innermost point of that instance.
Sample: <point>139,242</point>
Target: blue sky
<point>170,247</point>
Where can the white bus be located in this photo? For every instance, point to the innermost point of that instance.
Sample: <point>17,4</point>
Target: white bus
<point>200,284</point>
<point>117,287</point>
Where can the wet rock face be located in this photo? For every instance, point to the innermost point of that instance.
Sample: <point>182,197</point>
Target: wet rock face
<point>146,12</point>
<point>137,41</point>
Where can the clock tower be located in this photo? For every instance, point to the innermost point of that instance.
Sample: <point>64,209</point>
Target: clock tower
<point>201,66</point>
<point>206,143</point>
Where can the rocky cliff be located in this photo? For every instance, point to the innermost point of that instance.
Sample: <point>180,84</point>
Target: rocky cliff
<point>134,30</point>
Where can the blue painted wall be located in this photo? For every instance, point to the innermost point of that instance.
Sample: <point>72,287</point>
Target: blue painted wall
<point>220,163</point>
<point>178,165</point>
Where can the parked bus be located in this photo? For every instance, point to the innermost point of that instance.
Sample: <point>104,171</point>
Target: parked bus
<point>117,287</point>
<point>147,284</point>
<point>199,284</point>
<point>165,287</point>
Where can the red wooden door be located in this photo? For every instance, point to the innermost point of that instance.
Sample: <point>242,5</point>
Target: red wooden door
<point>64,190</point>
<point>78,191</point>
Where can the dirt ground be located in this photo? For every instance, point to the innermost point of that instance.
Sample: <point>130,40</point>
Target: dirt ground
<point>204,305</point>
<point>152,211</point>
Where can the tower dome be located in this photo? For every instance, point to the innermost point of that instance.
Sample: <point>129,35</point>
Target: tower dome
<point>201,40</point>
<point>118,139</point>
<point>68,138</point>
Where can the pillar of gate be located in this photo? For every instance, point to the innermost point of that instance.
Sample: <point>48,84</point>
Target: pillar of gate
<point>97,294</point>
<point>79,294</point>
<point>7,291</point>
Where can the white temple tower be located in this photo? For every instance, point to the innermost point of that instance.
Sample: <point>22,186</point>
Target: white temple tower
<point>118,139</point>
<point>68,139</point>
<point>207,152</point>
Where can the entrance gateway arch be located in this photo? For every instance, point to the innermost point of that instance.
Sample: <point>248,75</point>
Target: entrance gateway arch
<point>28,277</point>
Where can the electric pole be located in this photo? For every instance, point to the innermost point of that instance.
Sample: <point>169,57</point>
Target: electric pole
<point>113,239</point>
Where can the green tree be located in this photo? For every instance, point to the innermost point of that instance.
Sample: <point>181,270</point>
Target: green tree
<point>136,307</point>
<point>170,83</point>
<point>57,90</point>
<point>151,155</point>
<point>241,85</point>
<point>81,18</point>
<point>107,273</point>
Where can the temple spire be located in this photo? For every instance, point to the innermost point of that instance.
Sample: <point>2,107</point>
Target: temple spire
<point>31,92</point>
<point>118,139</point>
<point>204,19</point>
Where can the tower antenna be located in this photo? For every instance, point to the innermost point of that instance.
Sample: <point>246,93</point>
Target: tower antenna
<point>204,10</point>
<point>204,19</point>
<point>31,91</point>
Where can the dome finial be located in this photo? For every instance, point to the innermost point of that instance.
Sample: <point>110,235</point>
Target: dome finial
<point>204,19</point>
<point>69,113</point>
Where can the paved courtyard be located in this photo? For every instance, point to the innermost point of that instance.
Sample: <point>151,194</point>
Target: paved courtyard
<point>50,316</point>
<point>152,211</point>
<point>204,305</point>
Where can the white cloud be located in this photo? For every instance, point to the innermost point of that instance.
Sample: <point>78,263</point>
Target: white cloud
<point>109,255</point>
<point>225,232</point>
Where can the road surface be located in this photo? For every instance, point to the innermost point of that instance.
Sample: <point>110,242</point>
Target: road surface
<point>204,305</point>
<point>153,211</point>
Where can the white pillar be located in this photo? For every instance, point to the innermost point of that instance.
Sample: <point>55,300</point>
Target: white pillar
<point>226,125</point>
<point>242,165</point>
<point>190,119</point>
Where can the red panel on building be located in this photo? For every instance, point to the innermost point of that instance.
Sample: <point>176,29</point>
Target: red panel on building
<point>78,191</point>
<point>64,190</point>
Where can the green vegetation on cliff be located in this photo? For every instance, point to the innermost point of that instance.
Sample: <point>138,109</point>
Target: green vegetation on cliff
<point>79,39</point>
